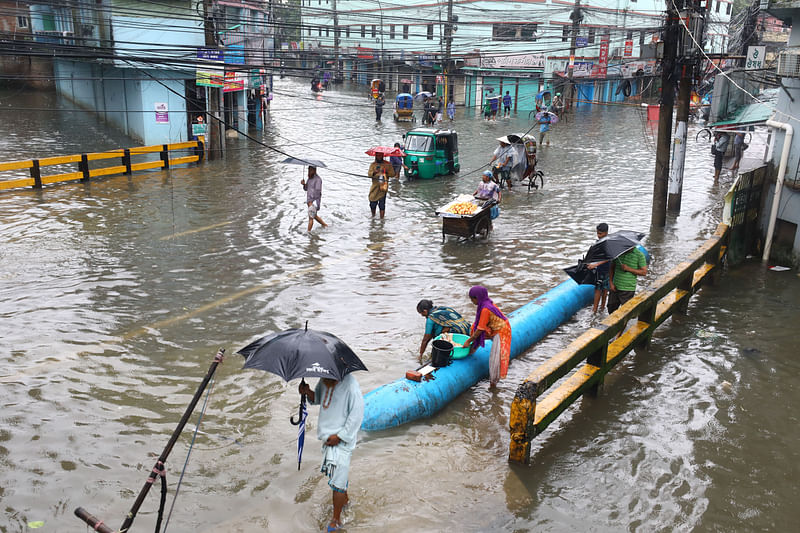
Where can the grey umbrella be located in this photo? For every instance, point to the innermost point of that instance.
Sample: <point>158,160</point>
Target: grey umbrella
<point>304,162</point>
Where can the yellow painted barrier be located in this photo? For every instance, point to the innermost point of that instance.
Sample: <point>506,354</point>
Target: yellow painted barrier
<point>580,368</point>
<point>37,179</point>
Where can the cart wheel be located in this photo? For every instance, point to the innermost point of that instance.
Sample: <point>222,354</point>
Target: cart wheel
<point>536,181</point>
<point>482,229</point>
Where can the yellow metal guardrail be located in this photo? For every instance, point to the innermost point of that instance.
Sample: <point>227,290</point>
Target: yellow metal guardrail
<point>84,172</point>
<point>596,351</point>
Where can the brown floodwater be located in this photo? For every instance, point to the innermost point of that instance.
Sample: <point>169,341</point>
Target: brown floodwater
<point>115,295</point>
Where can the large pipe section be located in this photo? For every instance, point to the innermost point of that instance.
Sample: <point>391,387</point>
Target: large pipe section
<point>404,400</point>
<point>776,198</point>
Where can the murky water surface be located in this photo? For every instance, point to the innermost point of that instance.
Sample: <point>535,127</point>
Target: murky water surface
<point>117,293</point>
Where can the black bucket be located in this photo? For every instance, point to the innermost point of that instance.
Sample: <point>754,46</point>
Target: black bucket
<point>441,353</point>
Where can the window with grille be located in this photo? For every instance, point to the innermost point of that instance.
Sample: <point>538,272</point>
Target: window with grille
<point>592,33</point>
<point>363,30</point>
<point>565,34</point>
<point>405,31</point>
<point>374,33</point>
<point>519,32</point>
<point>22,22</point>
<point>391,31</point>
<point>430,31</point>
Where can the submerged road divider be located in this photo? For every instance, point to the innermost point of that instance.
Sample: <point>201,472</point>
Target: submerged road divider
<point>84,173</point>
<point>597,350</point>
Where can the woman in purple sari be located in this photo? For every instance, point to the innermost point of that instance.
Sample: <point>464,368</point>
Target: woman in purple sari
<point>490,323</point>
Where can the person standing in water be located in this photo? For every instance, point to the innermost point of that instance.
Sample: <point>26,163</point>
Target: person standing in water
<point>313,188</point>
<point>340,415</point>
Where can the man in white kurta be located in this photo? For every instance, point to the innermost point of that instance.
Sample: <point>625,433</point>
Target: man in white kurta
<point>341,411</point>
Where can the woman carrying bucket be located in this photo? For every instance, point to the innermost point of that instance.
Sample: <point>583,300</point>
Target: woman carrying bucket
<point>490,323</point>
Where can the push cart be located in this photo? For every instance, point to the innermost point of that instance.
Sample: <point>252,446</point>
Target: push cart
<point>475,225</point>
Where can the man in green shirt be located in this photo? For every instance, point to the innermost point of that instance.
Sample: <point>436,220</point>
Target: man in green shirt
<point>622,277</point>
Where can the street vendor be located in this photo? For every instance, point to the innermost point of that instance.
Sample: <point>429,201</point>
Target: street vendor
<point>379,171</point>
<point>439,320</point>
<point>487,188</point>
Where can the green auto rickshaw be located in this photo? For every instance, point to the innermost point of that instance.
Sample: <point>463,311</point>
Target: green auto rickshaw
<point>430,153</point>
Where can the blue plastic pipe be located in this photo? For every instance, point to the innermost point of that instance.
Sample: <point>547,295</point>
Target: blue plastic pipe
<point>404,400</point>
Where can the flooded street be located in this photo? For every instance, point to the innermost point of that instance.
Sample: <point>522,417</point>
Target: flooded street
<point>117,293</point>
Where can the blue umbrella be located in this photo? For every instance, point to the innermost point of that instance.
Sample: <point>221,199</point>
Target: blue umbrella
<point>301,428</point>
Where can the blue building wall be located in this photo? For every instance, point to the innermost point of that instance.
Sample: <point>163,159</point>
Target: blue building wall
<point>122,99</point>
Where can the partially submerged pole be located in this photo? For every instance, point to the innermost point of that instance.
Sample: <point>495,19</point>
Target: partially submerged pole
<point>158,469</point>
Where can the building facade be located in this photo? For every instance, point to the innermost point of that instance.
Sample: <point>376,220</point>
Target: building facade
<point>519,46</point>
<point>139,64</point>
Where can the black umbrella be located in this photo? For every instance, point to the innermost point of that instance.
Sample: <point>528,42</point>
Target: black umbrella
<point>613,245</point>
<point>302,353</point>
<point>608,248</point>
<point>304,162</point>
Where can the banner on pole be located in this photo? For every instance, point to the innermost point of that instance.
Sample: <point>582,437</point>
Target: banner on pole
<point>208,74</point>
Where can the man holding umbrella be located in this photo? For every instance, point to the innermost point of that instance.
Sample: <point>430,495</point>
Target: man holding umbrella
<point>302,353</point>
<point>622,277</point>
<point>380,171</point>
<point>341,411</point>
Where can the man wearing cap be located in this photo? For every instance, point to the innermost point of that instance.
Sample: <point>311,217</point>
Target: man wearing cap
<point>313,188</point>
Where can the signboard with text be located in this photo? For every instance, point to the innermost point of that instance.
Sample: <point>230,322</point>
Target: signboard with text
<point>581,42</point>
<point>162,113</point>
<point>513,61</point>
<point>628,49</point>
<point>755,57</point>
<point>234,81</point>
<point>602,59</point>
<point>208,74</point>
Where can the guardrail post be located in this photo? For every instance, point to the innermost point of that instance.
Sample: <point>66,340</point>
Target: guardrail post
<point>165,155</point>
<point>83,166</point>
<point>521,419</point>
<point>648,316</point>
<point>36,174</point>
<point>126,160</point>
<point>598,358</point>
<point>685,285</point>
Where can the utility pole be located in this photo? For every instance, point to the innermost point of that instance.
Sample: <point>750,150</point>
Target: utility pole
<point>215,148</point>
<point>337,73</point>
<point>661,178</point>
<point>675,188</point>
<point>448,40</point>
<point>689,50</point>
<point>577,17</point>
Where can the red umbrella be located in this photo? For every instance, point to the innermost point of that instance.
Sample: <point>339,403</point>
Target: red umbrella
<point>387,151</point>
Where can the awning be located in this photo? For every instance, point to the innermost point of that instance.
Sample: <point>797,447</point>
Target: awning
<point>505,70</point>
<point>747,115</point>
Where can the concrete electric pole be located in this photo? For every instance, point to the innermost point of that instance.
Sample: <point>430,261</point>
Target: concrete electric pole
<point>448,40</point>
<point>216,138</point>
<point>577,17</point>
<point>658,217</point>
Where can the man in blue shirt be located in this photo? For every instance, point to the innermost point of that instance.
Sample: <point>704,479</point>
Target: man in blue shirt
<point>507,105</point>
